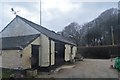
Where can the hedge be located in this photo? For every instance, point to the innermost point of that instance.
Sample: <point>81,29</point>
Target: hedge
<point>99,52</point>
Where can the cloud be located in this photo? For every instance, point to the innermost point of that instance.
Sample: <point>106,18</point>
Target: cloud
<point>61,5</point>
<point>60,0</point>
<point>5,15</point>
<point>27,10</point>
<point>56,14</point>
<point>52,9</point>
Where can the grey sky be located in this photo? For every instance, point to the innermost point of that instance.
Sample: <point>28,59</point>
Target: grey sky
<point>56,14</point>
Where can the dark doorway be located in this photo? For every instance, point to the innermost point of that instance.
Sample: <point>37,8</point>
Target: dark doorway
<point>59,53</point>
<point>35,56</point>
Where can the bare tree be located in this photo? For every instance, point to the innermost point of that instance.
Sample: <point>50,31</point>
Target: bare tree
<point>72,31</point>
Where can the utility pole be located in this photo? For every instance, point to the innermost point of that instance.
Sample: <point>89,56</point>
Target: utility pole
<point>40,14</point>
<point>112,36</point>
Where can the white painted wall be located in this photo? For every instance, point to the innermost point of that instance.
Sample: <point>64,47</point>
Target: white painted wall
<point>74,50</point>
<point>26,61</point>
<point>11,59</point>
<point>44,56</point>
<point>18,28</point>
<point>52,52</point>
<point>67,52</point>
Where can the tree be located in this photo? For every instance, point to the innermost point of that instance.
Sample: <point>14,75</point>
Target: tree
<point>72,31</point>
<point>96,32</point>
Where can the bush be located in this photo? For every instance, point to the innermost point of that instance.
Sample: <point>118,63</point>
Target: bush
<point>117,63</point>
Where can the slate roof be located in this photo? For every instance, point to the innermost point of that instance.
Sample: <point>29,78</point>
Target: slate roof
<point>16,43</point>
<point>47,32</point>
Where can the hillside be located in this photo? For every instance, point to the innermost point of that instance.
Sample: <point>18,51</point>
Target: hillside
<point>103,30</point>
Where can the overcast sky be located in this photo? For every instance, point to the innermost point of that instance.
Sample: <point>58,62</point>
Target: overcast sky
<point>56,14</point>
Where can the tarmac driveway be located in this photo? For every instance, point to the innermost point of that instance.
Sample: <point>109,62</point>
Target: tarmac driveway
<point>89,68</point>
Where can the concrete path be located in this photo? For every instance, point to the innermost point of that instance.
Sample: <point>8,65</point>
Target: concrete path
<point>89,68</point>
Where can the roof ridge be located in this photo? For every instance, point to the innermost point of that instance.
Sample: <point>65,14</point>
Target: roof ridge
<point>20,36</point>
<point>46,31</point>
<point>41,26</point>
<point>34,23</point>
<point>7,25</point>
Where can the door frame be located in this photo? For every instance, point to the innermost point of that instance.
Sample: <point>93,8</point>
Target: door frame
<point>37,56</point>
<point>63,54</point>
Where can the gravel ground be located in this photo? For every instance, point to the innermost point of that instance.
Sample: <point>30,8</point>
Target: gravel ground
<point>89,68</point>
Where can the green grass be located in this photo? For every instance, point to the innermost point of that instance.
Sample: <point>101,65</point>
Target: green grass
<point>6,73</point>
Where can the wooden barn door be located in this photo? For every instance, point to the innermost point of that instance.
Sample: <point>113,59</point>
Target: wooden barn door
<point>59,53</point>
<point>35,56</point>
